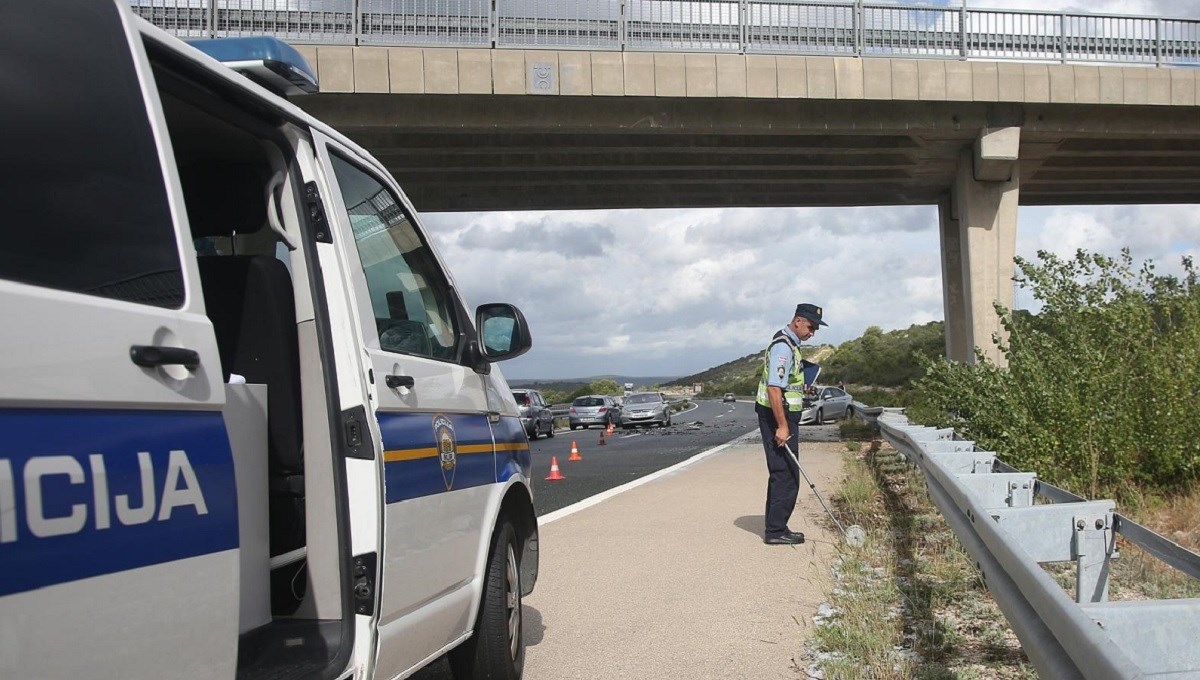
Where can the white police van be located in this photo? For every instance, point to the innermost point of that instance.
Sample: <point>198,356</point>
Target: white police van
<point>247,426</point>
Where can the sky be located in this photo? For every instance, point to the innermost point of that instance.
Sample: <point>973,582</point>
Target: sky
<point>674,292</point>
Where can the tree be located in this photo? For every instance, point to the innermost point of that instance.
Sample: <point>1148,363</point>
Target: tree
<point>602,386</point>
<point>1100,385</point>
<point>885,359</point>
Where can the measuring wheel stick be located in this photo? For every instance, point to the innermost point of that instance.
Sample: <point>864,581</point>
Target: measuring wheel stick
<point>855,535</point>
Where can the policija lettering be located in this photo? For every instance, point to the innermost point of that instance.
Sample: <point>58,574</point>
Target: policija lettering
<point>39,469</point>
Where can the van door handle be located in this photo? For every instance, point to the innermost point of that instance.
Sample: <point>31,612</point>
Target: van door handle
<point>150,356</point>
<point>395,381</point>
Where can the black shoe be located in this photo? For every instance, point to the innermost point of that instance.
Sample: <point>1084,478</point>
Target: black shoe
<point>788,538</point>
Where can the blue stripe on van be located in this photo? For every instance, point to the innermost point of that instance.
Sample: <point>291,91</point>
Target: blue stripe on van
<point>413,456</point>
<point>72,504</point>
<point>515,460</point>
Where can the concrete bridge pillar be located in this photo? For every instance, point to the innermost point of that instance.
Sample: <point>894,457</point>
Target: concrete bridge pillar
<point>979,238</point>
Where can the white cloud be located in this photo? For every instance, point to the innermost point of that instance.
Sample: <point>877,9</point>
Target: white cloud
<point>676,291</point>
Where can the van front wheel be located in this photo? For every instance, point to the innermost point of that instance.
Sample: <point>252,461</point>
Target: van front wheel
<point>496,649</point>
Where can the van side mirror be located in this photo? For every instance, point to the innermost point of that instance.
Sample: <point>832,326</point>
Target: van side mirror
<point>503,331</point>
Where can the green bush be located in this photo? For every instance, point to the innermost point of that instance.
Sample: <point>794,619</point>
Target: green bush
<point>885,359</point>
<point>1100,391</point>
<point>606,386</point>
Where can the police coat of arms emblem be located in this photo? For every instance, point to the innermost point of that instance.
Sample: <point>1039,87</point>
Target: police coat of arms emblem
<point>447,447</point>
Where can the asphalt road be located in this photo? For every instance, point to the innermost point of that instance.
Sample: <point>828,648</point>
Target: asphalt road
<point>629,454</point>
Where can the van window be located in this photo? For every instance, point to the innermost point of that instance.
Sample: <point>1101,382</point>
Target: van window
<point>85,205</point>
<point>409,294</point>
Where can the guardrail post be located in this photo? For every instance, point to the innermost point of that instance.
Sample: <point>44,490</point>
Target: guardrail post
<point>1158,42</point>
<point>494,24</point>
<point>1093,546</point>
<point>859,28</point>
<point>622,16</point>
<point>1062,37</point>
<point>357,22</point>
<point>962,30</point>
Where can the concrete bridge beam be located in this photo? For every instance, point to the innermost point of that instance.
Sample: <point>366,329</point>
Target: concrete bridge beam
<point>979,237</point>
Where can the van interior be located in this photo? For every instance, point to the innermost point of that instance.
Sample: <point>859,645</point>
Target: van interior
<point>242,188</point>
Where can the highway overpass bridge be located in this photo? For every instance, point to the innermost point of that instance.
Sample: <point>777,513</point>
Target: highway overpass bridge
<point>750,103</point>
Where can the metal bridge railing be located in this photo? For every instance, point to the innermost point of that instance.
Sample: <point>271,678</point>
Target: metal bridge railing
<point>802,27</point>
<point>1011,523</point>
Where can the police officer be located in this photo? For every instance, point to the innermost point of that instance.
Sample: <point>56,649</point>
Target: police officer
<point>779,404</point>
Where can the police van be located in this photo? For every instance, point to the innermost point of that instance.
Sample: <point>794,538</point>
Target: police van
<point>248,427</point>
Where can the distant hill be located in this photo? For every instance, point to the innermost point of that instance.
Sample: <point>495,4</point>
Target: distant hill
<point>741,376</point>
<point>750,364</point>
<point>569,385</point>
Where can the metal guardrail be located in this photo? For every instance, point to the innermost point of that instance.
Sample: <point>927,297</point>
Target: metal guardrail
<point>995,512</point>
<point>803,27</point>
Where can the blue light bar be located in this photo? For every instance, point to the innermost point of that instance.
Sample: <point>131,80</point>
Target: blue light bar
<point>268,61</point>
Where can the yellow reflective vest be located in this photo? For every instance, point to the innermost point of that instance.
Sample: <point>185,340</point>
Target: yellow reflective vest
<point>793,394</point>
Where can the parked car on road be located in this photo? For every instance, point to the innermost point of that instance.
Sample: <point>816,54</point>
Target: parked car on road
<point>728,397</point>
<point>535,413</point>
<point>827,403</point>
<point>645,408</point>
<point>593,409</point>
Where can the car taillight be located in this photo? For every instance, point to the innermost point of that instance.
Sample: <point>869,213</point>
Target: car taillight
<point>602,409</point>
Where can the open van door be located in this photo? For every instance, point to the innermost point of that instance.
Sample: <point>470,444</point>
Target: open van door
<point>118,513</point>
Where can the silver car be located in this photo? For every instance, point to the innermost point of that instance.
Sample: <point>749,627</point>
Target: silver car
<point>826,404</point>
<point>645,408</point>
<point>535,413</point>
<point>594,409</point>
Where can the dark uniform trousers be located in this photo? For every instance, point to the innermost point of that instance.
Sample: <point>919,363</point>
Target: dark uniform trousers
<point>783,482</point>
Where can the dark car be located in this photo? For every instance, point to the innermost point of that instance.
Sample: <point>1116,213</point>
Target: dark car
<point>728,397</point>
<point>593,409</point>
<point>645,408</point>
<point>535,413</point>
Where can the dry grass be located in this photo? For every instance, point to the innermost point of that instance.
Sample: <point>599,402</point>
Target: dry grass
<point>908,604</point>
<point>1177,518</point>
<point>1139,575</point>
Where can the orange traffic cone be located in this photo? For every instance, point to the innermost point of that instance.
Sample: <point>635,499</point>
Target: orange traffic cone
<point>611,428</point>
<point>555,475</point>
<point>575,453</point>
<point>602,442</point>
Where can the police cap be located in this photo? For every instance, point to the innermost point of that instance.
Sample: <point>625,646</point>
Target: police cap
<point>810,312</point>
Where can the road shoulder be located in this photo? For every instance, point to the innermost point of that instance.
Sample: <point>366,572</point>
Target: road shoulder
<point>671,579</point>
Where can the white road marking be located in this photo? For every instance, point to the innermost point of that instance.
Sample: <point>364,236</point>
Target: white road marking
<point>605,495</point>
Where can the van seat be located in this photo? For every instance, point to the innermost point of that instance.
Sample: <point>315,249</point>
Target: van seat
<point>250,303</point>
